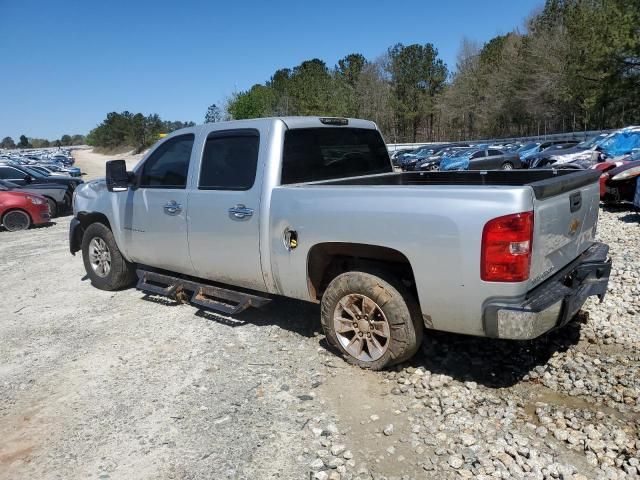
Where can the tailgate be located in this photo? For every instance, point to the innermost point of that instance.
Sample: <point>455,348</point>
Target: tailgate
<point>565,218</point>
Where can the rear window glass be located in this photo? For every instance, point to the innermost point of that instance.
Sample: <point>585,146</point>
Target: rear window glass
<point>314,154</point>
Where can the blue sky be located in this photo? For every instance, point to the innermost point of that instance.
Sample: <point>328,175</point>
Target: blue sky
<point>65,64</point>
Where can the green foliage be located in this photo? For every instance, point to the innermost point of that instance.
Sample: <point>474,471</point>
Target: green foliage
<point>39,142</point>
<point>577,66</point>
<point>417,76</point>
<point>213,114</point>
<point>128,129</point>
<point>7,142</point>
<point>354,87</point>
<point>24,142</point>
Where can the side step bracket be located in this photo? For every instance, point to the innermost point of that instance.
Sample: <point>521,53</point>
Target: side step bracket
<point>206,296</point>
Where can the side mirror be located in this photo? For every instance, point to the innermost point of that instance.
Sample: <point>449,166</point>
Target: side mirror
<point>28,179</point>
<point>117,176</point>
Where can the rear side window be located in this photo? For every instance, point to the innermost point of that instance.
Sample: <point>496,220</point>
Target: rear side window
<point>313,154</point>
<point>11,173</point>
<point>230,160</point>
<point>168,165</point>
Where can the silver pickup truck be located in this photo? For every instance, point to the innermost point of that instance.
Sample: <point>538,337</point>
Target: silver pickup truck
<point>227,215</point>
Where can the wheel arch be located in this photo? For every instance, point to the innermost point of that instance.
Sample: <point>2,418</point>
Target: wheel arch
<point>325,261</point>
<point>83,220</point>
<point>13,209</point>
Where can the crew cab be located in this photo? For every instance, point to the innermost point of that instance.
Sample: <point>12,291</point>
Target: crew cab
<point>228,215</point>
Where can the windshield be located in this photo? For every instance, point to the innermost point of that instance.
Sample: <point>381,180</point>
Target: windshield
<point>528,146</point>
<point>33,173</point>
<point>591,142</point>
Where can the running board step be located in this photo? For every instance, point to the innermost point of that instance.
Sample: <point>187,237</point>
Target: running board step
<point>213,298</point>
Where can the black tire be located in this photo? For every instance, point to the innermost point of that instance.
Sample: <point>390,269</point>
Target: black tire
<point>121,272</point>
<point>507,166</point>
<point>398,305</point>
<point>16,220</point>
<point>68,200</point>
<point>53,207</point>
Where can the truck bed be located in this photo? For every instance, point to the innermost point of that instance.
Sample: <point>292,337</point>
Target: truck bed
<point>544,182</point>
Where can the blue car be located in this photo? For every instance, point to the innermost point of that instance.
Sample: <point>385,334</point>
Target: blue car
<point>458,161</point>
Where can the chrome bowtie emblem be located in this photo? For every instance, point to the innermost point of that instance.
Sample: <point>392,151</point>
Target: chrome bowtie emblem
<point>573,226</point>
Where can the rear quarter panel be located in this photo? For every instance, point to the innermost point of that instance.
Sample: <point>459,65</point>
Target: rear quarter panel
<point>438,228</point>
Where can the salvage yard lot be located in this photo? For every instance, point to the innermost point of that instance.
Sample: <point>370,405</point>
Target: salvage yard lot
<point>122,385</point>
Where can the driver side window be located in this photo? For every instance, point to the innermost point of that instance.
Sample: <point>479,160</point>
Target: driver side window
<point>168,166</point>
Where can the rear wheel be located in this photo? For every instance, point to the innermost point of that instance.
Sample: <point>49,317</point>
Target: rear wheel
<point>15,220</point>
<point>374,322</point>
<point>507,166</point>
<point>105,265</point>
<point>53,207</point>
<point>68,199</point>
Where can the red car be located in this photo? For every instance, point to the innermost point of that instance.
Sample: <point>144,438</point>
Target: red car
<point>19,210</point>
<point>618,184</point>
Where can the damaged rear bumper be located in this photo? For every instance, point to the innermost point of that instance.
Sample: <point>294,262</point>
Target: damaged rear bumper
<point>553,303</point>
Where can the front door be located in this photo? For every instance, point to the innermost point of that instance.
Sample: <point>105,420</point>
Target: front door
<point>155,210</point>
<point>224,207</point>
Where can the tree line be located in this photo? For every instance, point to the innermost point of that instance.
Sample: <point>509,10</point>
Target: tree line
<point>131,129</point>
<point>575,65</point>
<point>25,142</point>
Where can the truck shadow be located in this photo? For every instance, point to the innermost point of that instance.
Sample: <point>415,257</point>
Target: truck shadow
<point>295,316</point>
<point>489,362</point>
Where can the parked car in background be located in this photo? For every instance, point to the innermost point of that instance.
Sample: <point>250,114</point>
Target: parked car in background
<point>432,162</point>
<point>482,159</point>
<point>600,148</point>
<point>396,153</point>
<point>22,175</point>
<point>56,195</point>
<point>620,184</point>
<point>408,160</point>
<point>20,210</point>
<point>546,153</point>
<point>542,146</point>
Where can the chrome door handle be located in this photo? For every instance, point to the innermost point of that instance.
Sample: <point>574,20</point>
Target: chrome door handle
<point>240,211</point>
<point>172,208</point>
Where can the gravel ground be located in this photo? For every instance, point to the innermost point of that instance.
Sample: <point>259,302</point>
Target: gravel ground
<point>122,385</point>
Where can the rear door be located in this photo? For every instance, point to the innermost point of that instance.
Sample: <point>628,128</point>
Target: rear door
<point>495,158</point>
<point>224,206</point>
<point>155,212</point>
<point>478,160</point>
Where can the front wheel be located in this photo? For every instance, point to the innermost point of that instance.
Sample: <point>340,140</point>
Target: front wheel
<point>105,265</point>
<point>15,220</point>
<point>53,207</point>
<point>373,322</point>
<point>507,166</point>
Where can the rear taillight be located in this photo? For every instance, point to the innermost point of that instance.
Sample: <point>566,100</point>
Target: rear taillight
<point>506,248</point>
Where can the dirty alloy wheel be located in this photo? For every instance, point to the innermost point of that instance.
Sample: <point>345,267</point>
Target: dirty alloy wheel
<point>105,265</point>
<point>15,220</point>
<point>371,318</point>
<point>507,166</point>
<point>53,207</point>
